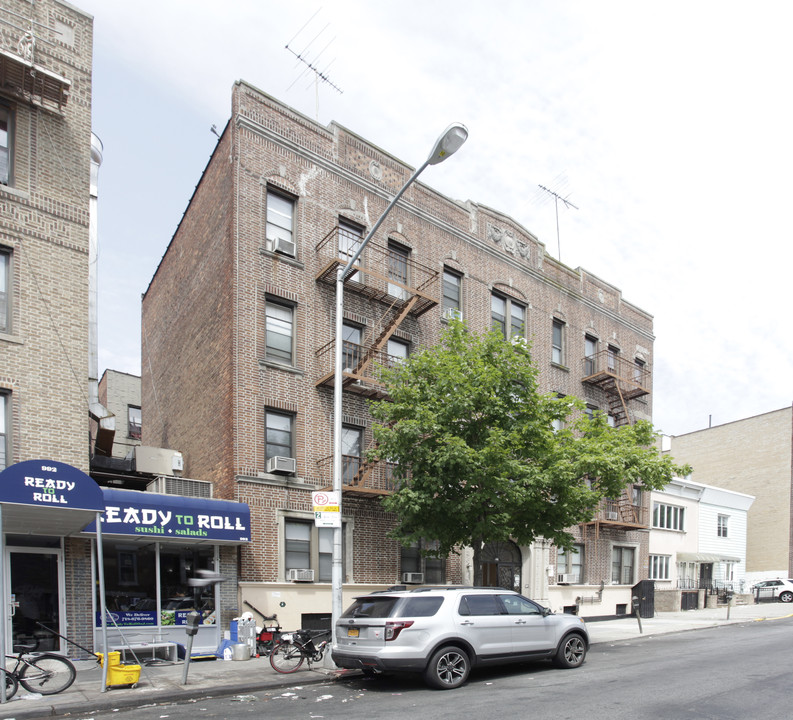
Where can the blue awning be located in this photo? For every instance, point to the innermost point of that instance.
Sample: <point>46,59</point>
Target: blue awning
<point>131,513</point>
<point>48,496</point>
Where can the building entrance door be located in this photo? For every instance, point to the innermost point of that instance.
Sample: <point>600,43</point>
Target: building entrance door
<point>501,566</point>
<point>35,579</point>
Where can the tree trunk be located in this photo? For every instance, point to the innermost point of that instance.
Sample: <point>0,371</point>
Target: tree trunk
<point>477,548</point>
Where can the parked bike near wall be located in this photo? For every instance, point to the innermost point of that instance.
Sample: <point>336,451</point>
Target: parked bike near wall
<point>296,647</point>
<point>44,673</point>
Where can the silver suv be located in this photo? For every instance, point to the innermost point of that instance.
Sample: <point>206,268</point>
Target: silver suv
<point>442,632</point>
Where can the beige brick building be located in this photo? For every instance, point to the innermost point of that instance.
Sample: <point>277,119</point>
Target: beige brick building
<point>237,351</point>
<point>119,392</point>
<point>45,167</point>
<point>751,456</point>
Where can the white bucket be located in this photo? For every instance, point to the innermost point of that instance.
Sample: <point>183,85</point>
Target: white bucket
<point>240,651</point>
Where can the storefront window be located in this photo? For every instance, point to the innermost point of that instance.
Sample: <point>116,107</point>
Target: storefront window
<point>177,564</point>
<point>131,584</point>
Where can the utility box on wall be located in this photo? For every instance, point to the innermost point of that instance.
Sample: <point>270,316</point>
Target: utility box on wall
<point>158,461</point>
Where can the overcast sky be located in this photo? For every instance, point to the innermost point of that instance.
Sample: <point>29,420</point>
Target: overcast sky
<point>669,126</point>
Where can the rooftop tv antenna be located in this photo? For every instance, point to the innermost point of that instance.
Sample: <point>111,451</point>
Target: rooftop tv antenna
<point>556,198</point>
<point>311,62</point>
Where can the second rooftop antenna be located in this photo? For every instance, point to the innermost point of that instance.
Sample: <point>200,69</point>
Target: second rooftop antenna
<point>567,203</point>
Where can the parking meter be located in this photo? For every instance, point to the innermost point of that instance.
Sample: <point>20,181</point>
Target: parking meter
<point>637,612</point>
<point>192,622</point>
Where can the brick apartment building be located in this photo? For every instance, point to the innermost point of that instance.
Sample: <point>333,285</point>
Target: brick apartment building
<point>237,350</point>
<point>45,160</point>
<point>753,456</point>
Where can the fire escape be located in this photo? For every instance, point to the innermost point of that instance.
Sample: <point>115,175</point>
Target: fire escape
<point>400,288</point>
<point>621,381</point>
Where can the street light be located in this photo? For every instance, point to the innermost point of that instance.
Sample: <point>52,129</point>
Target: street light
<point>447,144</point>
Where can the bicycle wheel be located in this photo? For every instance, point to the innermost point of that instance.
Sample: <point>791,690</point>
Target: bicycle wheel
<point>286,657</point>
<point>11,684</point>
<point>47,674</point>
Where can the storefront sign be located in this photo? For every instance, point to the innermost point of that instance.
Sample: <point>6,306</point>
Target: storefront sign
<point>128,512</point>
<point>51,484</point>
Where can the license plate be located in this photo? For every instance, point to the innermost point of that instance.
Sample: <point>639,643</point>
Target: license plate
<point>352,632</point>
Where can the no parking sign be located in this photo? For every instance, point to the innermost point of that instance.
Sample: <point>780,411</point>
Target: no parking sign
<point>326,509</point>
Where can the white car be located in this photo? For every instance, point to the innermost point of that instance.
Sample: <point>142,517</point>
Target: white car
<point>443,632</point>
<point>781,589</point>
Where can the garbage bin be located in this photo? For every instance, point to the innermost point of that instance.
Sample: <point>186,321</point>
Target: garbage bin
<point>240,651</point>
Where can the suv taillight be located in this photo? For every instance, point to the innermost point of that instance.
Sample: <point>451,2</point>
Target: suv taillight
<point>394,627</point>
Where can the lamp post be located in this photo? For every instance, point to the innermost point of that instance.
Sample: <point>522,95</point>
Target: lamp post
<point>446,145</point>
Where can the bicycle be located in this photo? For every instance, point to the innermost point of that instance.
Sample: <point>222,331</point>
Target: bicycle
<point>294,648</point>
<point>43,673</point>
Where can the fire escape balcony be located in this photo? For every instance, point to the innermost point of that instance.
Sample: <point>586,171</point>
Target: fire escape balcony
<point>360,365</point>
<point>620,380</point>
<point>380,273</point>
<point>359,477</point>
<point>621,514</point>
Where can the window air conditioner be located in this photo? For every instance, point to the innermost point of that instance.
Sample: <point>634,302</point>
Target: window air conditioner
<point>566,579</point>
<point>413,578</point>
<point>300,575</point>
<point>611,515</point>
<point>452,314</point>
<point>285,247</point>
<point>282,465</point>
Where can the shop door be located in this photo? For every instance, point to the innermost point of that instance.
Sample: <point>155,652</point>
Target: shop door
<point>36,587</point>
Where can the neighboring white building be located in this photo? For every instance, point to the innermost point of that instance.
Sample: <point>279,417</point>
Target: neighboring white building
<point>697,542</point>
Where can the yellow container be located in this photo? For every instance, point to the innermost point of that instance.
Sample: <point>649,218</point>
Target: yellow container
<point>123,674</point>
<point>118,674</point>
<point>113,657</point>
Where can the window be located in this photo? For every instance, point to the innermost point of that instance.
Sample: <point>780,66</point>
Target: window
<point>397,350</point>
<point>659,567</point>
<point>6,149</point>
<point>308,547</point>
<point>452,296</point>
<point>590,349</point>
<point>570,565</point>
<point>611,358</point>
<point>5,408</point>
<point>134,422</point>
<point>351,445</point>
<point>507,316</point>
<point>280,219</point>
<point>557,342</point>
<point>351,346</point>
<point>5,286</point>
<point>350,239</point>
<point>298,545</point>
<point>668,517</point>
<point>590,410</point>
<point>412,561</point>
<point>622,563</point>
<point>639,371</point>
<point>721,526</point>
<point>398,258</point>
<point>279,331</point>
<point>278,434</point>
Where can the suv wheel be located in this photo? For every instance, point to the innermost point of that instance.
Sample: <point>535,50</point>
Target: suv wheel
<point>571,652</point>
<point>448,668</point>
<point>786,596</point>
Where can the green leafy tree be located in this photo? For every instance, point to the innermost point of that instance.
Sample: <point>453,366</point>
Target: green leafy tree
<point>476,458</point>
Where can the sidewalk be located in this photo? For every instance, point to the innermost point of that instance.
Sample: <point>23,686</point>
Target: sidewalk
<point>163,683</point>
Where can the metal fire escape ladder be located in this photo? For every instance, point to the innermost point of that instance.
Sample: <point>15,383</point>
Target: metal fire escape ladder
<point>380,341</point>
<point>618,406</point>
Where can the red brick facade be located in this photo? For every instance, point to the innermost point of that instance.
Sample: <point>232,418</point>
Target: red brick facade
<point>206,379</point>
